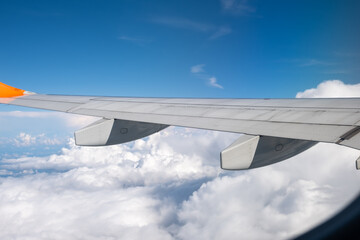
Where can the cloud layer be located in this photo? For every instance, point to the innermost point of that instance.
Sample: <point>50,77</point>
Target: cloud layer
<point>170,186</point>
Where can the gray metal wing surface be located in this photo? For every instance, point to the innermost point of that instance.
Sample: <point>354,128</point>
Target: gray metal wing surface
<point>333,120</point>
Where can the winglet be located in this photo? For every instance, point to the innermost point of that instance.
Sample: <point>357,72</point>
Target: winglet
<point>7,91</point>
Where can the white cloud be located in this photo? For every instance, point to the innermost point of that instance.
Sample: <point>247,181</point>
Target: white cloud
<point>170,186</point>
<point>331,88</point>
<point>198,68</point>
<point>152,187</point>
<point>77,121</point>
<point>24,139</point>
<point>44,206</point>
<point>275,202</point>
<point>132,190</point>
<point>125,190</point>
<point>199,72</point>
<point>71,120</point>
<point>212,82</point>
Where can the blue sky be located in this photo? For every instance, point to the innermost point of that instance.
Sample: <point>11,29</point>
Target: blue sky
<point>169,185</point>
<point>147,48</point>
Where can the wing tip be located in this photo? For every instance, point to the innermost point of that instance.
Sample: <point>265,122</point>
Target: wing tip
<point>7,91</point>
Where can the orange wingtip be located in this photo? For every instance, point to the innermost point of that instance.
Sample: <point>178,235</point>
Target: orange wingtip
<point>7,91</point>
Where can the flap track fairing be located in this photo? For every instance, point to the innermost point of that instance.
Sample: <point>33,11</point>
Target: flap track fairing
<point>114,131</point>
<point>251,151</point>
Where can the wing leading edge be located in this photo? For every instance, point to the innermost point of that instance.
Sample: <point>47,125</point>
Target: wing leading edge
<point>290,124</point>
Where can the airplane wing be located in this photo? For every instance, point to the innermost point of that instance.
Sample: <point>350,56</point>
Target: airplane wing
<point>274,129</point>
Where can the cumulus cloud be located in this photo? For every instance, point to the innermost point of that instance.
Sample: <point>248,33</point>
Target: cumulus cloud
<point>40,132</point>
<point>275,202</point>
<point>24,139</point>
<point>131,190</point>
<point>331,88</point>
<point>170,186</point>
<point>166,187</point>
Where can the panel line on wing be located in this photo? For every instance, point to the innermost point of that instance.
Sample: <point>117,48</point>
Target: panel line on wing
<point>220,105</point>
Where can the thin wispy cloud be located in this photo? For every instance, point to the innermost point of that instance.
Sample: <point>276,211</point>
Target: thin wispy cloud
<point>197,68</point>
<point>184,23</point>
<point>338,71</point>
<point>314,62</point>
<point>237,7</point>
<point>139,41</point>
<point>215,31</point>
<point>307,62</point>
<point>199,72</point>
<point>222,31</point>
<point>346,54</point>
